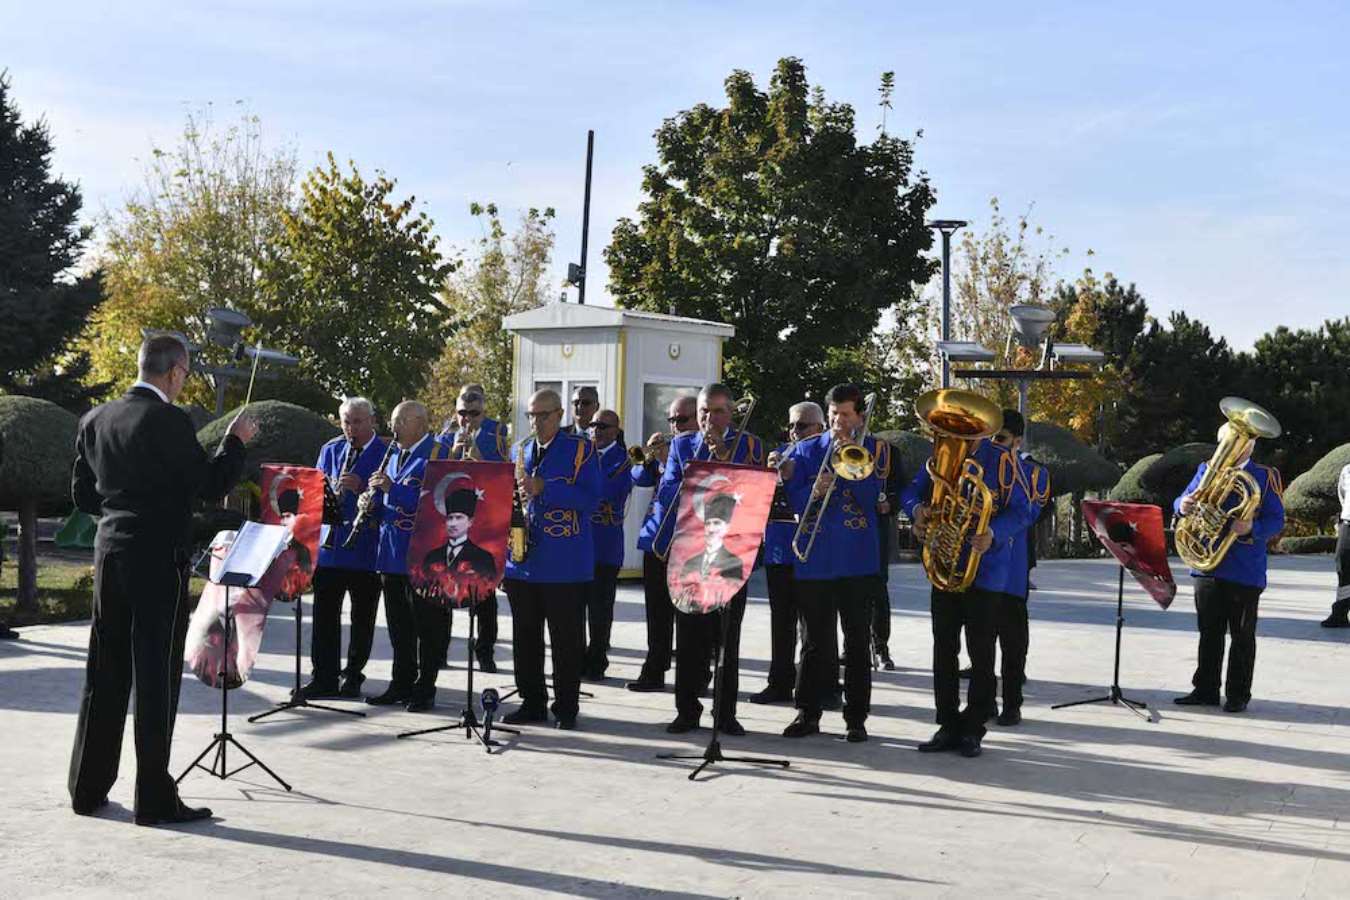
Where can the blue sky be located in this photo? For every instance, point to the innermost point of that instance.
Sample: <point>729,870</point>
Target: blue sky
<point>1199,149</point>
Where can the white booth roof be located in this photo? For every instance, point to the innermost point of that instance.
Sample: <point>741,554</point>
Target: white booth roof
<point>573,315</point>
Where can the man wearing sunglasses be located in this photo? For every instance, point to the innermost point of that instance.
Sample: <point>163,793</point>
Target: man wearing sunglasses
<point>489,445</point>
<point>585,404</point>
<point>682,418</point>
<point>608,529</point>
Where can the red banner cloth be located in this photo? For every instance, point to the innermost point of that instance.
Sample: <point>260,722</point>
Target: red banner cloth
<point>1133,532</point>
<point>293,496</point>
<point>457,551</point>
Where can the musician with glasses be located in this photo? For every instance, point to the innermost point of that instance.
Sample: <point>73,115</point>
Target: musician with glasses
<point>607,521</point>
<point>697,634</point>
<point>682,417</point>
<point>585,404</point>
<point>471,434</point>
<point>347,462</point>
<point>562,483</point>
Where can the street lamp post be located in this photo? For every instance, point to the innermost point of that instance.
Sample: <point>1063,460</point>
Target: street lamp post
<point>947,227</point>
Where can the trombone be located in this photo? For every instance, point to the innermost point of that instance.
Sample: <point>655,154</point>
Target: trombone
<point>848,459</point>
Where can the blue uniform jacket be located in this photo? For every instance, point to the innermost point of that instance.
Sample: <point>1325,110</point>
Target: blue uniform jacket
<point>332,459</point>
<point>650,476</point>
<point>778,535</point>
<point>684,449</point>
<point>846,544</point>
<point>562,546</point>
<point>397,508</point>
<point>1019,567</point>
<point>1245,562</point>
<point>615,486</point>
<point>491,442</point>
<point>1012,514</point>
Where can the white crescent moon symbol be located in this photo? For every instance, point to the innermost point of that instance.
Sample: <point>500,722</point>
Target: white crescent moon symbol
<point>442,489</point>
<point>702,487</point>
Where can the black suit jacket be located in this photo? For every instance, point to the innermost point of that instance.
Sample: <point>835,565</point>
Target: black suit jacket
<point>479,561</point>
<point>139,467</point>
<point>725,563</point>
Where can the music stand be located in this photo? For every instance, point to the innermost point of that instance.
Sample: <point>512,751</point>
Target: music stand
<point>1115,697</point>
<point>219,768</point>
<point>298,700</point>
<point>468,719</point>
<point>713,752</point>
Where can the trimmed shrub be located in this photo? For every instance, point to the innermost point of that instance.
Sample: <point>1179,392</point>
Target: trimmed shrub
<point>286,434</point>
<point>1317,543</point>
<point>911,451</point>
<point>1074,466</point>
<point>1311,497</point>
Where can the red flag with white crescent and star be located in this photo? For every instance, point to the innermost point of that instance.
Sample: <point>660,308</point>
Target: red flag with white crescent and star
<point>1133,532</point>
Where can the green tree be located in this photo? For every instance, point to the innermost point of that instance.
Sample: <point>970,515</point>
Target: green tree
<point>192,237</point>
<point>43,306</point>
<point>508,273</point>
<point>769,214</point>
<point>352,287</point>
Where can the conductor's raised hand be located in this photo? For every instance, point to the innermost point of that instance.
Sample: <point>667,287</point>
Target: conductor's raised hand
<point>243,427</point>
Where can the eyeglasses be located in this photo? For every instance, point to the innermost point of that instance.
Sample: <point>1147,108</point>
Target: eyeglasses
<point>469,413</point>
<point>678,420</point>
<point>1003,438</point>
<point>582,401</point>
<point>600,426</point>
<point>543,414</point>
<point>184,369</point>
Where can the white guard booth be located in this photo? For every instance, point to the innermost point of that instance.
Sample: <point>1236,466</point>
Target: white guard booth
<point>638,361</point>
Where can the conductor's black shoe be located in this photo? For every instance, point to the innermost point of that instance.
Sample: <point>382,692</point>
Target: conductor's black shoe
<point>391,697</point>
<point>319,690</point>
<point>1335,621</point>
<point>682,724</point>
<point>966,672</point>
<point>647,685</point>
<point>525,716</point>
<point>856,734</point>
<point>969,747</point>
<point>887,663</point>
<point>88,807</point>
<point>421,704</point>
<point>486,663</point>
<point>1231,705</point>
<point>8,634</point>
<point>1196,698</point>
<point>1010,716</point>
<point>941,742</point>
<point>351,689</point>
<point>771,695</point>
<point>566,723</point>
<point>176,817</point>
<point>805,724</point>
<point>732,727</point>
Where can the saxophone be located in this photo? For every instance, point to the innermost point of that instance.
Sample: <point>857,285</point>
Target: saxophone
<point>520,508</point>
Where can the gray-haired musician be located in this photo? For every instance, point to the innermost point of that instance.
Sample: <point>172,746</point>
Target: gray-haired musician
<point>1340,609</point>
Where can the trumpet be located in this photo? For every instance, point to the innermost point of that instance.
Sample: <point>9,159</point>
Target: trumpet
<point>846,459</point>
<point>465,446</point>
<point>649,453</point>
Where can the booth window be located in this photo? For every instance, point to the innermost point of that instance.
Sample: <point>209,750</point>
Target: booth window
<point>656,399</point>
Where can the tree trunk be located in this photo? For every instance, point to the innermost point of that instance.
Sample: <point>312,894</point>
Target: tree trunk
<point>1077,532</point>
<point>27,597</point>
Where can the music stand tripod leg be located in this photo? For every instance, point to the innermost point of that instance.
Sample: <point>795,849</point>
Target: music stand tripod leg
<point>297,699</point>
<point>1116,697</point>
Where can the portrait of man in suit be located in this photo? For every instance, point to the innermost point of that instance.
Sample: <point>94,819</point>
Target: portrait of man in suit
<point>715,560</point>
<point>458,554</point>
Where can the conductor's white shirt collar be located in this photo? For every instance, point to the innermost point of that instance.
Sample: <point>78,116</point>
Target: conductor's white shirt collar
<point>150,387</point>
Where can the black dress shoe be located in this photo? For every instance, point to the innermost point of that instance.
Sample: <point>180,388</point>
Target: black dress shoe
<point>421,704</point>
<point>525,716</point>
<point>646,685</point>
<point>1011,716</point>
<point>351,689</point>
<point>969,747</point>
<point>88,807</point>
<point>319,690</point>
<point>567,723</point>
<point>856,734</point>
<point>884,655</point>
<point>1231,705</point>
<point>390,697</point>
<point>682,724</point>
<point>805,724</point>
<point>732,727</point>
<point>771,695</point>
<point>1335,621</point>
<point>176,817</point>
<point>1195,698</point>
<point>941,742</point>
<point>486,663</point>
<point>8,634</point>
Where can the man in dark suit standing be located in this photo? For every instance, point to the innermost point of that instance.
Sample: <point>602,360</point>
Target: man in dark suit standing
<point>138,467</point>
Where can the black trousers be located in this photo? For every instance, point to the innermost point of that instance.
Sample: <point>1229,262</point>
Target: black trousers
<point>1225,605</point>
<point>598,614</point>
<point>699,635</point>
<point>783,621</point>
<point>136,642</point>
<point>821,603</point>
<point>418,630</point>
<point>879,603</point>
<point>975,611</point>
<point>325,648</point>
<point>534,605</point>
<point>1013,629</point>
<point>1342,605</point>
<point>486,640</point>
<point>660,618</point>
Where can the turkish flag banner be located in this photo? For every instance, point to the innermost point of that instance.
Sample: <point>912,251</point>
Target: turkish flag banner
<point>1133,532</point>
<point>293,496</point>
<point>457,552</point>
<point>719,526</point>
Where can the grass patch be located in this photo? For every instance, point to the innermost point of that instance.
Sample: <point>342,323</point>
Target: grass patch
<point>65,592</point>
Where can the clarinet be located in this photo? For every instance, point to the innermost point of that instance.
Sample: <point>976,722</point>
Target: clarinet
<point>333,496</point>
<point>366,500</point>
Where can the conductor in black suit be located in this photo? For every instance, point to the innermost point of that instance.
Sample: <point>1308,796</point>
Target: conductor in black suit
<point>138,467</point>
<point>458,553</point>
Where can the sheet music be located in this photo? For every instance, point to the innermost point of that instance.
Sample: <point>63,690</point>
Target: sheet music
<point>253,550</point>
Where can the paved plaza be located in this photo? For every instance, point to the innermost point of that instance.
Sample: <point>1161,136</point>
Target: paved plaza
<point>1085,801</point>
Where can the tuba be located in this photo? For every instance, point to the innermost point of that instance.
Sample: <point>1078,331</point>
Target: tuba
<point>848,460</point>
<point>962,504</point>
<point>1226,493</point>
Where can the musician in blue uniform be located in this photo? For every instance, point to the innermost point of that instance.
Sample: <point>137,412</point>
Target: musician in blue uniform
<point>489,445</point>
<point>682,416</point>
<point>805,420</point>
<point>1226,598</point>
<point>698,634</point>
<point>347,462</point>
<point>607,521</point>
<point>562,483</point>
<point>888,504</point>
<point>833,582</point>
<point>1011,624</point>
<point>973,609</point>
<point>417,626</point>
